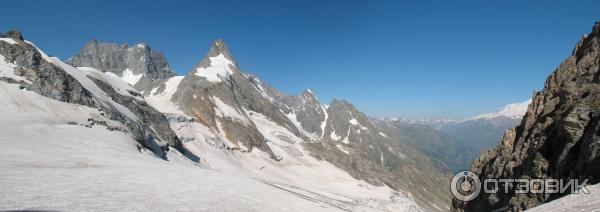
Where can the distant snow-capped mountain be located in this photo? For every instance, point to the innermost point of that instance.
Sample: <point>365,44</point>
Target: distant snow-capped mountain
<point>456,142</point>
<point>510,111</point>
<point>513,111</point>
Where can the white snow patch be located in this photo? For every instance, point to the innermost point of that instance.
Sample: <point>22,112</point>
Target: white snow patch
<point>8,70</point>
<point>9,40</point>
<point>224,110</point>
<point>218,69</point>
<point>355,122</point>
<point>333,136</point>
<point>131,78</point>
<point>324,123</point>
<point>162,101</point>
<point>346,141</point>
<point>293,118</point>
<point>341,148</point>
<point>574,202</point>
<point>261,89</point>
<point>224,140</point>
<point>112,79</point>
<point>283,142</point>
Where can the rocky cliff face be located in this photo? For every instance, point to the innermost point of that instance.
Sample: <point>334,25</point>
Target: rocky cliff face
<point>138,65</point>
<point>558,137</point>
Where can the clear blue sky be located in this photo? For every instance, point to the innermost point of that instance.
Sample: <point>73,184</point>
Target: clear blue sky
<point>413,58</point>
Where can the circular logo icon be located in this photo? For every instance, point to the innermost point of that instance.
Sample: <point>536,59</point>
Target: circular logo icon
<point>465,186</point>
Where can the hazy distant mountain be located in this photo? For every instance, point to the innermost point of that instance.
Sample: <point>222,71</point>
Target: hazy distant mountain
<point>441,146</point>
<point>456,143</point>
<point>511,111</point>
<point>482,132</point>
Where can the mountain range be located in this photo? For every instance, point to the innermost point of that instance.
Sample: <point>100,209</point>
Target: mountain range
<point>455,142</point>
<point>216,119</point>
<point>116,119</point>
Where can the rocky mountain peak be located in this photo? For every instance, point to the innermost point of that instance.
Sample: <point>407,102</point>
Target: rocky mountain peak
<point>307,92</point>
<point>342,104</point>
<point>14,34</point>
<point>596,28</point>
<point>142,46</point>
<point>309,95</point>
<point>217,65</point>
<point>588,43</point>
<point>136,64</point>
<point>219,47</point>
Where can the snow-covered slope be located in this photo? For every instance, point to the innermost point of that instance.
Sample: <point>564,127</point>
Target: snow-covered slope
<point>72,142</point>
<point>574,202</point>
<point>294,169</point>
<point>52,159</point>
<point>297,171</point>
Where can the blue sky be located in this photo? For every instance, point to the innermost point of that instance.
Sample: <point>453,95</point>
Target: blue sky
<point>407,58</point>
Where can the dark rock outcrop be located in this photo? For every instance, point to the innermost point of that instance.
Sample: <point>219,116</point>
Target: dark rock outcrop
<point>558,138</point>
<point>16,35</point>
<point>46,78</point>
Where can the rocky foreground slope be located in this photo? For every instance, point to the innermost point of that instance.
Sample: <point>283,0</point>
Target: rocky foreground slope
<point>558,137</point>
